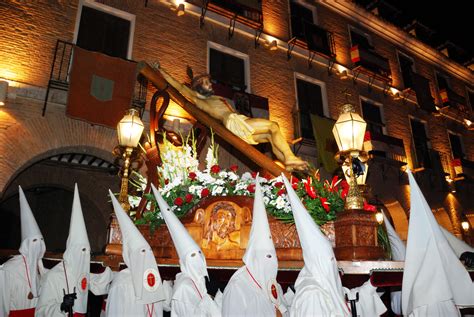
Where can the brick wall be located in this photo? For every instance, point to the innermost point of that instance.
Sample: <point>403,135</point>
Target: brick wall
<point>30,31</point>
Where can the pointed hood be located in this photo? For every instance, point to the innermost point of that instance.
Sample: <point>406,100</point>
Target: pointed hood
<point>139,258</point>
<point>32,246</point>
<point>396,244</point>
<point>191,259</point>
<point>459,246</point>
<point>430,255</point>
<point>77,256</point>
<point>319,260</point>
<point>260,256</point>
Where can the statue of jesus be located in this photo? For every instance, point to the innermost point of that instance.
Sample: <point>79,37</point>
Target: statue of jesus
<point>251,130</point>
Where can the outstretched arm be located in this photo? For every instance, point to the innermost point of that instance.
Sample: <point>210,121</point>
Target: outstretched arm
<point>187,92</point>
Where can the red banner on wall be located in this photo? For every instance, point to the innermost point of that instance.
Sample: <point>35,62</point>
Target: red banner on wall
<point>101,87</point>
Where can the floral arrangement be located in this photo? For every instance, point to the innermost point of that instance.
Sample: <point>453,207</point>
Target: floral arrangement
<point>183,185</point>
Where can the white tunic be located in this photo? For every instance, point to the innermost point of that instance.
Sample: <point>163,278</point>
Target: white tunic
<point>311,299</point>
<point>14,286</point>
<point>53,284</point>
<point>190,300</point>
<point>242,297</point>
<point>121,300</point>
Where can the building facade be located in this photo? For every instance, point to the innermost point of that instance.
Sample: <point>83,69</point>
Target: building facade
<point>297,58</point>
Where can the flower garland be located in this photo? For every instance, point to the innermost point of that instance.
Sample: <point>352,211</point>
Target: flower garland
<point>183,186</point>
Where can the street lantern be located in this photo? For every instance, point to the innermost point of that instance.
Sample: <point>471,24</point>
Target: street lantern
<point>349,130</point>
<point>465,225</point>
<point>130,129</point>
<point>129,132</point>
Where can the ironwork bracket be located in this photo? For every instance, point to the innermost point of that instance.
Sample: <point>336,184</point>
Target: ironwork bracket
<point>258,33</point>
<point>232,26</point>
<point>311,56</point>
<point>205,3</point>
<point>291,46</point>
<point>331,62</point>
<point>355,74</point>
<point>370,84</point>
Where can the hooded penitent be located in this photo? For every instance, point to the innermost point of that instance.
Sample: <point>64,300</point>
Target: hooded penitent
<point>433,279</point>
<point>319,260</point>
<point>459,246</point>
<point>398,254</point>
<point>77,256</point>
<point>32,246</point>
<point>191,260</point>
<point>260,256</point>
<point>138,256</point>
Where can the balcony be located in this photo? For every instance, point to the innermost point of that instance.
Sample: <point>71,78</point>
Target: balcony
<point>246,12</point>
<point>462,167</point>
<point>421,87</point>
<point>388,147</point>
<point>368,60</point>
<point>451,99</point>
<point>314,39</point>
<point>247,104</point>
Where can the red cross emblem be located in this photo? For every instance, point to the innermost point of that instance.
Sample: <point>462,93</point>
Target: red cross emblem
<point>151,279</point>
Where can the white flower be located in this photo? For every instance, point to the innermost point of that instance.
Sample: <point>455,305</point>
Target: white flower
<point>246,176</point>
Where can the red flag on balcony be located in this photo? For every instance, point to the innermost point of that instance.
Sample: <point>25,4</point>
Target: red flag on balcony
<point>443,93</point>
<point>457,165</point>
<point>355,55</point>
<point>101,87</point>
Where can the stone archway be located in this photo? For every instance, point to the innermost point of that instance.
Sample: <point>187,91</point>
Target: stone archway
<point>32,140</point>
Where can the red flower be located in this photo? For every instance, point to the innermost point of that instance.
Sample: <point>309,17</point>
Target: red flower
<point>281,192</point>
<point>345,189</point>
<point>324,203</point>
<point>317,175</point>
<point>215,169</point>
<point>204,192</point>
<point>254,174</point>
<point>251,188</point>
<point>279,184</point>
<point>178,201</point>
<point>192,176</point>
<point>234,168</point>
<point>167,181</point>
<point>310,189</point>
<point>294,182</point>
<point>188,197</point>
<point>369,207</point>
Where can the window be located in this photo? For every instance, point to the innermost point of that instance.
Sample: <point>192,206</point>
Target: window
<point>407,67</point>
<point>373,115</point>
<point>442,80</point>
<point>421,144</point>
<point>311,99</point>
<point>359,38</point>
<point>228,67</point>
<point>301,14</point>
<point>456,145</point>
<point>470,96</point>
<point>104,29</point>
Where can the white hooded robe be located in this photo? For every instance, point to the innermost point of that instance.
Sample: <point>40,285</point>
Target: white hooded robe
<point>434,280</point>
<point>253,289</point>
<point>190,297</point>
<point>136,291</point>
<point>21,275</point>
<point>73,272</point>
<point>318,287</point>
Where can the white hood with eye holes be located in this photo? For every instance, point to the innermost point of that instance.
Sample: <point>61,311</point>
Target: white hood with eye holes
<point>191,259</point>
<point>139,258</point>
<point>319,259</point>
<point>260,256</point>
<point>77,256</point>
<point>32,246</point>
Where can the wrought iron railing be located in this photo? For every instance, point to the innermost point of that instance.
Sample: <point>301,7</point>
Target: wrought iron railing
<point>61,67</point>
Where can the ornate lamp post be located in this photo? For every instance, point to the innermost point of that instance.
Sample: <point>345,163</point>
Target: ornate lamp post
<point>356,229</point>
<point>129,131</point>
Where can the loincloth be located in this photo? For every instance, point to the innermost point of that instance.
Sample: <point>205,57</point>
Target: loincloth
<point>236,123</point>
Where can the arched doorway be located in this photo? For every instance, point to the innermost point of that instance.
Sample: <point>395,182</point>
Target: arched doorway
<point>49,188</point>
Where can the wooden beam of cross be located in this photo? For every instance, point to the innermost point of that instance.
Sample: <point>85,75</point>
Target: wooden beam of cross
<point>246,149</point>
